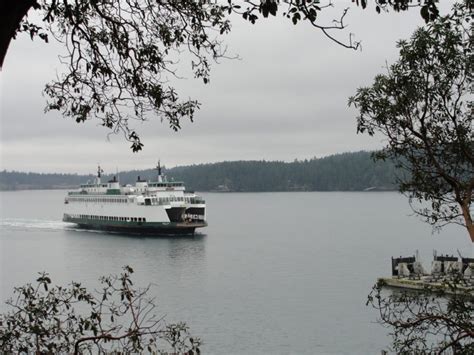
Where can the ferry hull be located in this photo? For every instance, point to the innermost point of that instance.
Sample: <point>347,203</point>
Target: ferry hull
<point>148,228</point>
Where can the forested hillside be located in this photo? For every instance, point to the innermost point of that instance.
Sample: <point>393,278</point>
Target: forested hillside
<point>341,172</point>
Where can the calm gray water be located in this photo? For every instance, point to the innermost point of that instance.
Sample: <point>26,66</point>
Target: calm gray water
<point>273,273</point>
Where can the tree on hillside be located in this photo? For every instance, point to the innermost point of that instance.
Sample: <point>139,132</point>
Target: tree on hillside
<point>121,54</point>
<point>423,106</point>
<point>46,319</point>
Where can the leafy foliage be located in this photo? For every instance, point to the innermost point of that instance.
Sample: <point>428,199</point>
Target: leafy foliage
<point>428,321</point>
<point>121,55</point>
<point>118,318</point>
<point>424,108</point>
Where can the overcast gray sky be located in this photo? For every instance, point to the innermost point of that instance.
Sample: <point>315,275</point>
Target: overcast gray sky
<point>285,98</point>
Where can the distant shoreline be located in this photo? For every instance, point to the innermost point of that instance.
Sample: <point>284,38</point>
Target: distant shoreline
<point>342,172</point>
<point>206,191</point>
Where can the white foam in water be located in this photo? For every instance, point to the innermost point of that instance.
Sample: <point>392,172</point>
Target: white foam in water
<point>20,223</point>
<point>42,224</point>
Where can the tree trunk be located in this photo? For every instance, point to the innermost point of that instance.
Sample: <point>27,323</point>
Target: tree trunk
<point>11,14</point>
<point>468,220</point>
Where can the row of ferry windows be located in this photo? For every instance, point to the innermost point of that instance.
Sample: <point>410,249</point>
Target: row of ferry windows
<point>154,200</point>
<point>161,200</point>
<point>109,218</point>
<point>169,184</point>
<point>168,199</point>
<point>112,200</point>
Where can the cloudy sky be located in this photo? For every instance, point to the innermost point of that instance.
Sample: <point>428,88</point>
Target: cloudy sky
<point>285,98</point>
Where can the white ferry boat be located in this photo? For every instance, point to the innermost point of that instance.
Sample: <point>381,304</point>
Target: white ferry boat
<point>159,207</point>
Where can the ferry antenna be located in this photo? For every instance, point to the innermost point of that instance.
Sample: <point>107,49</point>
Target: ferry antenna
<point>158,167</point>
<point>99,170</point>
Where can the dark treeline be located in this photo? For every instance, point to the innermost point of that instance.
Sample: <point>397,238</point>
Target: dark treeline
<point>341,172</point>
<point>12,180</point>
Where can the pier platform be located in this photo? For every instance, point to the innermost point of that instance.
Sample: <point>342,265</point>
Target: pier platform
<point>429,283</point>
<point>449,274</point>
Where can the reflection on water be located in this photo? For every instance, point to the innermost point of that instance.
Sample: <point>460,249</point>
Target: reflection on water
<point>157,259</point>
<point>173,248</point>
<point>183,249</point>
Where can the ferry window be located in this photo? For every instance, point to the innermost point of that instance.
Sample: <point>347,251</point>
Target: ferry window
<point>144,219</point>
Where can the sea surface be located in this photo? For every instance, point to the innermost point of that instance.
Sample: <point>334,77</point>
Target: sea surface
<point>279,273</point>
